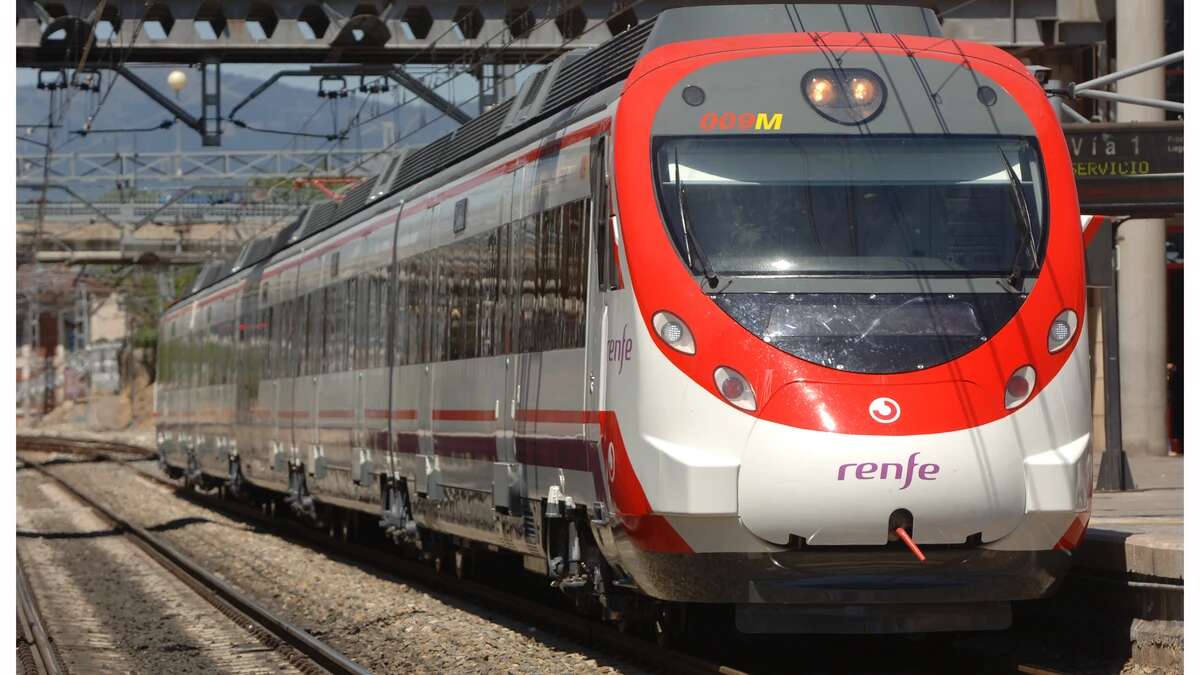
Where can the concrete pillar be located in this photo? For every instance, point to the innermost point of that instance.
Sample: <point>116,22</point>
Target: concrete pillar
<point>1142,249</point>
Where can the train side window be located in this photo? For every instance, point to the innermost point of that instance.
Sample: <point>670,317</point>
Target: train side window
<point>502,331</point>
<point>310,344</point>
<point>553,274</point>
<point>335,308</point>
<point>297,338</point>
<point>287,339</point>
<point>332,313</point>
<point>324,322</point>
<point>474,251</point>
<point>397,350</point>
<point>526,276</point>
<point>368,318</point>
<point>451,292</point>
<point>434,333</point>
<point>366,345</point>
<point>599,214</point>
<point>575,254</point>
<point>488,284</point>
<point>410,331</point>
<point>415,282</point>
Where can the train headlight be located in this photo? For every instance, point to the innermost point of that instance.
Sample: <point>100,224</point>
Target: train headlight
<point>846,95</point>
<point>735,388</point>
<point>862,90</point>
<point>1062,329</point>
<point>674,332</point>
<point>1019,387</point>
<point>821,91</point>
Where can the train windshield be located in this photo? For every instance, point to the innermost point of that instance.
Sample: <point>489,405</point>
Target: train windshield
<point>885,206</point>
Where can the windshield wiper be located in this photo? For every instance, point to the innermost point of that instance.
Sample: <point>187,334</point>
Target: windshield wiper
<point>1016,276</point>
<point>693,246</point>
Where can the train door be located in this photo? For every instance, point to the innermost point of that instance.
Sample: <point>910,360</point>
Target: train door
<point>316,345</point>
<point>598,284</point>
<point>427,476</point>
<point>507,476</point>
<point>358,364</point>
<point>247,374</point>
<point>287,411</point>
<point>526,362</point>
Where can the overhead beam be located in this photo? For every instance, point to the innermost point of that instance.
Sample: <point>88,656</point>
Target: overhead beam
<point>435,31</point>
<point>64,188</point>
<point>207,125</point>
<point>188,167</point>
<point>428,95</point>
<point>122,257</point>
<point>398,75</point>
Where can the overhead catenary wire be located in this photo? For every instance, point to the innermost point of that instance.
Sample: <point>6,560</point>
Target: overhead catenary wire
<point>524,67</point>
<point>165,124</point>
<point>454,70</point>
<point>464,63</point>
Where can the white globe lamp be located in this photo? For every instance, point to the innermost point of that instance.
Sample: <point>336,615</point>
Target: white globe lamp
<point>177,80</point>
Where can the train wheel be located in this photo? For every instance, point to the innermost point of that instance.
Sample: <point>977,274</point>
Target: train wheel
<point>439,563</point>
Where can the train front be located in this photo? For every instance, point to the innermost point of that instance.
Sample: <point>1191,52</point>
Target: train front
<point>857,316</point>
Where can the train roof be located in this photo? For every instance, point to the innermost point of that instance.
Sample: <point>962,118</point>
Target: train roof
<point>572,78</point>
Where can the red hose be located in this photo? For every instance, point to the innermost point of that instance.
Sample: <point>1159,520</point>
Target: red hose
<point>912,545</point>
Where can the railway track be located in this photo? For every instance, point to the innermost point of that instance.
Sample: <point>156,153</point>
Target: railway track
<point>273,632</point>
<point>534,611</point>
<point>563,622</point>
<point>83,446</point>
<point>35,653</point>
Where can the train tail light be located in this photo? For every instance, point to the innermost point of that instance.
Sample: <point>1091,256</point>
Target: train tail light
<point>1062,329</point>
<point>735,388</point>
<point>1019,387</point>
<point>674,332</point>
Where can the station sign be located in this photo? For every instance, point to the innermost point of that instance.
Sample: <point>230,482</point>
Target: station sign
<point>1128,168</point>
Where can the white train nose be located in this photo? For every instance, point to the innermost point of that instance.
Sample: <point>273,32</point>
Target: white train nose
<point>840,489</point>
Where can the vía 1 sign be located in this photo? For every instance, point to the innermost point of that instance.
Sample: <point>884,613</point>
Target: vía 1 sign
<point>1128,168</point>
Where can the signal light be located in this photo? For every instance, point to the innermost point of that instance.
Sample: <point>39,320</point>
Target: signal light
<point>845,96</point>
<point>735,388</point>
<point>1019,387</point>
<point>674,332</point>
<point>1062,329</point>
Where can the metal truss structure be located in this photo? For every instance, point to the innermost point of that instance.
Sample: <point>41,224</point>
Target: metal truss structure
<point>187,31</point>
<point>299,31</point>
<point>129,215</point>
<point>207,165</point>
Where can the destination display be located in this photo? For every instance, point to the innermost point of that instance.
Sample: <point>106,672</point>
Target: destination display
<point>1128,169</point>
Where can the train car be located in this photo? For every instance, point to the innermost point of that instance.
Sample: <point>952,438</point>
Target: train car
<point>777,308</point>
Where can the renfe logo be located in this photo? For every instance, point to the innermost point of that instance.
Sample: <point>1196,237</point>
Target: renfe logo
<point>884,410</point>
<point>620,350</point>
<point>893,470</point>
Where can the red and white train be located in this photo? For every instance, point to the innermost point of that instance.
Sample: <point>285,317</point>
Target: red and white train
<point>750,306</point>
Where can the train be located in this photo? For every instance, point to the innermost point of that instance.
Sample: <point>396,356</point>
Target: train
<point>773,308</point>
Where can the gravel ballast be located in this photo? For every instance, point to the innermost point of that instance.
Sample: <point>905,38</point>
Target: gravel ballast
<point>379,621</point>
<point>109,608</point>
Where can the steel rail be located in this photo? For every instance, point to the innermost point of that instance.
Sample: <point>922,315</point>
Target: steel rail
<point>215,591</point>
<point>517,606</point>
<point>29,622</point>
<point>394,565</point>
<point>387,564</point>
